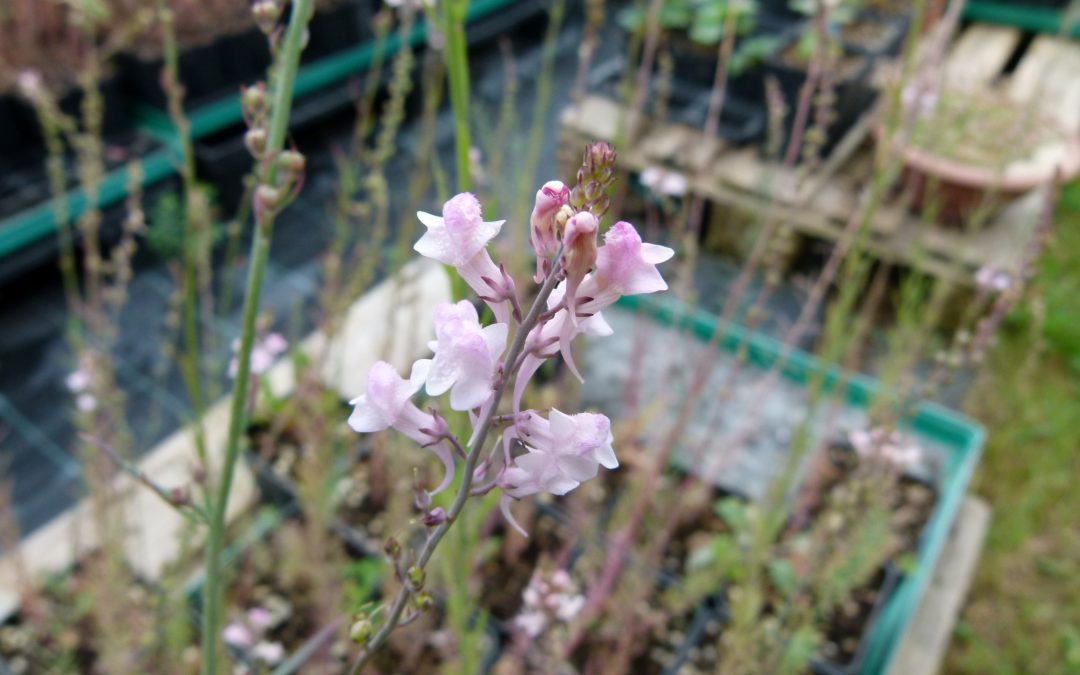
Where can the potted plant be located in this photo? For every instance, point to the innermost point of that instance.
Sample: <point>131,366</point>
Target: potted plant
<point>971,151</point>
<point>848,71</point>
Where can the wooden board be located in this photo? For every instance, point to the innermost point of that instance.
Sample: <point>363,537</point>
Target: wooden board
<point>820,206</point>
<point>979,55</point>
<point>1049,75</point>
<point>923,646</point>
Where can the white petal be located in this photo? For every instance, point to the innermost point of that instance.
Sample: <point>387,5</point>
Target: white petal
<point>469,393</point>
<point>495,336</point>
<point>561,486</point>
<point>605,454</point>
<point>432,245</point>
<point>563,428</point>
<point>430,219</point>
<point>578,468</point>
<point>656,254</point>
<point>419,374</point>
<point>366,418</point>
<point>441,375</point>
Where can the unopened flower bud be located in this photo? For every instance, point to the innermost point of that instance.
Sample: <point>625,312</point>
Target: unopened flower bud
<point>291,162</point>
<point>392,548</point>
<point>361,630</point>
<point>435,517</point>
<point>255,142</point>
<point>267,200</point>
<point>546,230</point>
<point>416,577</point>
<point>579,253</point>
<point>424,601</point>
<point>254,100</point>
<point>266,14</point>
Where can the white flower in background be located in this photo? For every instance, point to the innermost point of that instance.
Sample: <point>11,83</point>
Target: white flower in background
<point>891,446</point>
<point>554,599</point>
<point>237,635</point>
<point>263,353</point>
<point>270,653</point>
<point>664,181</point>
<point>992,280</point>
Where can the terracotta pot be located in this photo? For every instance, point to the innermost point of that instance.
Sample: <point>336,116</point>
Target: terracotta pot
<point>960,189</point>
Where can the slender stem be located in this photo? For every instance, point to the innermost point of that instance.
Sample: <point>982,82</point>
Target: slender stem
<point>475,450</point>
<point>457,72</point>
<point>260,249</point>
<point>189,360</point>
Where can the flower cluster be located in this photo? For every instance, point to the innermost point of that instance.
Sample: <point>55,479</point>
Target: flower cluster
<point>541,453</point>
<point>890,446</point>
<point>247,636</point>
<point>554,599</point>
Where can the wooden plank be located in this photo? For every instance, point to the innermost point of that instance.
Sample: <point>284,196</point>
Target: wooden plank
<point>979,55</point>
<point>923,646</point>
<point>1049,76</point>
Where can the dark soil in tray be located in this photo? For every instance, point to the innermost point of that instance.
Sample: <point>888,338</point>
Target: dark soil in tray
<point>290,578</point>
<point>58,630</point>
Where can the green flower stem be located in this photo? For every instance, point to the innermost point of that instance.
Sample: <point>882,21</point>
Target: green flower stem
<point>288,62</point>
<point>457,72</point>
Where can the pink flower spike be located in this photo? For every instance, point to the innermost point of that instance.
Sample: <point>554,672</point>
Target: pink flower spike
<point>544,232</point>
<point>579,255</point>
<point>466,355</point>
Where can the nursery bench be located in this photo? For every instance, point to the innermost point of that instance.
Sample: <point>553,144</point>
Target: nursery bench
<point>819,206</point>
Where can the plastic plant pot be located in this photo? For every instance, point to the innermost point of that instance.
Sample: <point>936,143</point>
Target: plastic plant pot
<point>957,440</point>
<point>338,28</point>
<point>874,35</point>
<point>851,86</point>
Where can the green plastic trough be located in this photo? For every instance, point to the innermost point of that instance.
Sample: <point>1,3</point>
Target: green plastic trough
<point>38,222</point>
<point>1026,17</point>
<point>959,438</point>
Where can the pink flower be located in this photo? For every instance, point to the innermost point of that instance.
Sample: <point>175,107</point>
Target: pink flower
<point>624,266</point>
<point>579,254</point>
<point>545,232</point>
<point>270,653</point>
<point>582,435</point>
<point>259,618</point>
<point>386,404</point>
<point>237,635</point>
<point>992,280</point>
<point>563,452</point>
<point>459,238</point>
<point>466,355</point>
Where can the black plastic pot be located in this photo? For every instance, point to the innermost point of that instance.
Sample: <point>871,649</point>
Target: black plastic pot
<point>853,93</point>
<point>206,71</point>
<point>889,41</point>
<point>336,29</point>
<point>223,160</point>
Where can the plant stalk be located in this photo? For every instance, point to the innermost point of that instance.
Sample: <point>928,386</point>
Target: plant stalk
<point>260,250</point>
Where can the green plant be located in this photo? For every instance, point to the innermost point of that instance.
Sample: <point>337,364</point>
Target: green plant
<point>702,20</point>
<point>838,14</point>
